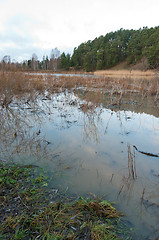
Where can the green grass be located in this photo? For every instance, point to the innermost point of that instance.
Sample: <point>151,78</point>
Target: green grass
<point>27,213</point>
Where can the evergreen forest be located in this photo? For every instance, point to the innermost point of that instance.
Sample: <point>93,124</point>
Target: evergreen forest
<point>107,51</point>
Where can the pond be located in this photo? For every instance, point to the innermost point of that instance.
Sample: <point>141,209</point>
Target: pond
<point>63,75</point>
<point>92,147</point>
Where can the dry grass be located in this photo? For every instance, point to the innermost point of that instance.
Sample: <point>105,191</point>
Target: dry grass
<point>18,84</point>
<point>125,73</point>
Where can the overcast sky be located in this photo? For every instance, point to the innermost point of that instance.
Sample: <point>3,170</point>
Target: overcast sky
<point>37,26</point>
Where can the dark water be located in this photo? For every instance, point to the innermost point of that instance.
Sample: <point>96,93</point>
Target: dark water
<point>89,149</point>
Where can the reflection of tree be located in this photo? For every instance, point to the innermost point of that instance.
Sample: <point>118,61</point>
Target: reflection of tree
<point>17,135</point>
<point>128,180</point>
<point>91,121</point>
<point>107,125</point>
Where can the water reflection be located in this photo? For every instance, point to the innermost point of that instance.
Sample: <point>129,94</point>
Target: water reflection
<point>91,122</point>
<point>20,133</point>
<point>63,75</point>
<point>90,148</point>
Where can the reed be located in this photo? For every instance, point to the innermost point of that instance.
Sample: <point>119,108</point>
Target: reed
<point>19,84</point>
<point>131,163</point>
<point>128,179</point>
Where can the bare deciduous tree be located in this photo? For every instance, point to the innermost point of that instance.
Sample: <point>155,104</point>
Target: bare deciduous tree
<point>34,62</point>
<point>54,57</point>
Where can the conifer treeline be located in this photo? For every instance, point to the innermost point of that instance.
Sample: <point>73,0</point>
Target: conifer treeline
<point>115,47</point>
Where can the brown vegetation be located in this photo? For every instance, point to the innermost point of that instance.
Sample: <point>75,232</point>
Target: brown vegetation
<point>125,73</point>
<point>18,84</point>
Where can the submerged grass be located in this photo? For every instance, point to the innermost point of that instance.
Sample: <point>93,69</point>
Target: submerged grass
<point>19,84</point>
<point>28,88</point>
<point>27,213</point>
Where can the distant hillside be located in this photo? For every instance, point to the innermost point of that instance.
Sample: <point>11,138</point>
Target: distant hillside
<point>130,46</point>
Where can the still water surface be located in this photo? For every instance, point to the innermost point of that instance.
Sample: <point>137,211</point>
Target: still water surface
<point>89,149</point>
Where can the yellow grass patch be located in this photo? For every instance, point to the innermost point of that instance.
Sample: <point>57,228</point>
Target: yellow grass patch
<point>126,73</point>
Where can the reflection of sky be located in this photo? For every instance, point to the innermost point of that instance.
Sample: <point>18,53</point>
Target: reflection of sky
<point>108,155</point>
<point>71,127</point>
<point>70,130</point>
<point>137,129</point>
<point>93,148</point>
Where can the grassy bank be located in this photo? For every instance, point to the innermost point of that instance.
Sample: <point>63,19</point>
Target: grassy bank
<point>27,212</point>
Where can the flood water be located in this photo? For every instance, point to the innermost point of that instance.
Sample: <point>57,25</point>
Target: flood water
<point>89,149</point>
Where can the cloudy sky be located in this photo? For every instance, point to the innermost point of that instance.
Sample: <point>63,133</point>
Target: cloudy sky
<point>37,26</point>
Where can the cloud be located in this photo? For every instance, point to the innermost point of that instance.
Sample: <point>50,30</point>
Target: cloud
<point>17,37</point>
<point>43,25</point>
